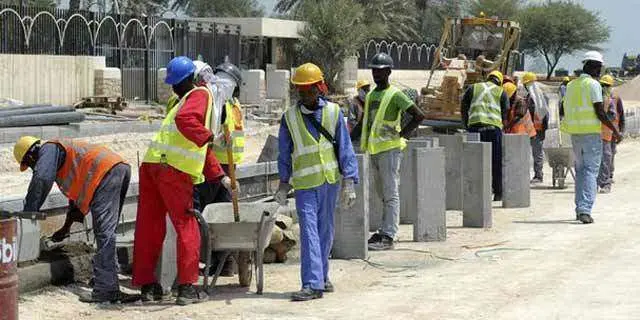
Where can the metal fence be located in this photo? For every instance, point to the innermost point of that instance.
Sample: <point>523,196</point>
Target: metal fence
<point>138,46</point>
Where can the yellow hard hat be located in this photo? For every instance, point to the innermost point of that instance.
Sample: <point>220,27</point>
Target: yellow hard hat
<point>529,77</point>
<point>566,79</point>
<point>510,89</point>
<point>497,74</point>
<point>607,80</point>
<point>306,74</point>
<point>362,83</point>
<point>22,147</point>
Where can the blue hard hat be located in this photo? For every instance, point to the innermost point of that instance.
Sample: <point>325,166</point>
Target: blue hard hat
<point>178,69</point>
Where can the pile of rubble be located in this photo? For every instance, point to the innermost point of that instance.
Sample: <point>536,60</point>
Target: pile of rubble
<point>284,238</point>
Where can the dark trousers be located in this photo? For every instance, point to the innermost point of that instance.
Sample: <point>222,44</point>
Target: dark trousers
<point>493,135</point>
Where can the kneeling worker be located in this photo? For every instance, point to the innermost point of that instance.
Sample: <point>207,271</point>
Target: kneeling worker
<point>308,134</point>
<point>94,179</point>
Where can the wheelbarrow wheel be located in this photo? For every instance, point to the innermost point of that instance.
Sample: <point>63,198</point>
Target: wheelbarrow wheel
<point>244,268</point>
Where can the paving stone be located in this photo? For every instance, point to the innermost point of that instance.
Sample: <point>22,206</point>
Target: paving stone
<point>352,225</point>
<point>429,171</point>
<point>477,185</point>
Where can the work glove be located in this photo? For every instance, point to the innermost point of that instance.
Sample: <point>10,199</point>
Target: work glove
<point>281,194</point>
<point>348,193</point>
<point>226,182</point>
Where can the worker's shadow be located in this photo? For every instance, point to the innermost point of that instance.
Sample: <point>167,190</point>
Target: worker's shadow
<point>566,221</point>
<point>231,292</point>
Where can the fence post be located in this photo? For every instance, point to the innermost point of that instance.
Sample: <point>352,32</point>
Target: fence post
<point>146,62</point>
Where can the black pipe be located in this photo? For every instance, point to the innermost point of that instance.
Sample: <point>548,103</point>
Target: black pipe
<point>41,119</point>
<point>38,110</point>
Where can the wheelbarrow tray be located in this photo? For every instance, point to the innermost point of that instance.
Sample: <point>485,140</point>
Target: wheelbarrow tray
<point>560,156</point>
<point>247,234</point>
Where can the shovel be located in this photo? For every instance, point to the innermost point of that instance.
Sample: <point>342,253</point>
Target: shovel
<point>232,174</point>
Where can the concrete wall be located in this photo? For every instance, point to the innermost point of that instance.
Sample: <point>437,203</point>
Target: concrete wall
<point>61,80</point>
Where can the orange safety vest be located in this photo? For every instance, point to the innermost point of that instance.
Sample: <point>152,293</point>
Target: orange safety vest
<point>83,169</point>
<point>537,122</point>
<point>523,126</point>
<point>612,103</point>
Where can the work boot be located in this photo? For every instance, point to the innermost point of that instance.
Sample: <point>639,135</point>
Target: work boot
<point>108,297</point>
<point>497,197</point>
<point>585,218</point>
<point>375,238</point>
<point>605,189</point>
<point>385,243</point>
<point>188,294</point>
<point>154,292</point>
<point>306,294</point>
<point>536,180</point>
<point>328,286</point>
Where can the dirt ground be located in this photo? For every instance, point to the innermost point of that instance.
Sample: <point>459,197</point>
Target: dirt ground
<point>535,263</point>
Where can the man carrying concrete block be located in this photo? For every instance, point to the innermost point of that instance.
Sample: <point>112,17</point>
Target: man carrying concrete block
<point>384,139</point>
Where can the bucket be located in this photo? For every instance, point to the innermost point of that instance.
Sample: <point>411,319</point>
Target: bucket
<point>8,270</point>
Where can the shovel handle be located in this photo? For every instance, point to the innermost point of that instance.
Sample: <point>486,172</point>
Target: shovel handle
<point>232,174</point>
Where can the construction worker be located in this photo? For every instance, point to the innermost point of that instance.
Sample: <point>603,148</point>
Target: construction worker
<point>518,116</point>
<point>383,139</point>
<point>356,110</point>
<point>615,113</point>
<point>314,151</point>
<point>539,109</point>
<point>562,91</point>
<point>95,179</point>
<point>583,115</point>
<point>484,110</point>
<point>173,164</point>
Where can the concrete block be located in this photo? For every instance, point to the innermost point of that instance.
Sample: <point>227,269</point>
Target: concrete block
<point>473,136</point>
<point>352,225</point>
<point>408,181</point>
<point>167,268</point>
<point>253,87</point>
<point>278,84</point>
<point>476,210</point>
<point>515,171</point>
<point>429,172</point>
<point>270,150</point>
<point>50,132</point>
<point>28,237</point>
<point>453,172</point>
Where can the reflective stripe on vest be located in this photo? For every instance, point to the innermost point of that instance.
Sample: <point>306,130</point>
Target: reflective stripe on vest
<point>314,161</point>
<point>485,105</point>
<point>237,134</point>
<point>611,103</point>
<point>84,167</point>
<point>170,147</point>
<point>579,115</point>
<point>172,102</point>
<point>378,140</point>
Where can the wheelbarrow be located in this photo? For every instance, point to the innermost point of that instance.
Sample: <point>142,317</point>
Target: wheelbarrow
<point>249,234</point>
<point>561,162</point>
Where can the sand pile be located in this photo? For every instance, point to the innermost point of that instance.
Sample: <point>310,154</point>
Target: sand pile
<point>630,90</point>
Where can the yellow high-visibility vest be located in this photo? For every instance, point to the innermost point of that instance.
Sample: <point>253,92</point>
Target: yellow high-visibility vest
<point>314,161</point>
<point>233,122</point>
<point>579,115</point>
<point>170,147</point>
<point>378,140</point>
<point>485,105</point>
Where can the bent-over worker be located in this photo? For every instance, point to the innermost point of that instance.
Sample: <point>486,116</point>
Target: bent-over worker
<point>96,180</point>
<point>309,163</point>
<point>538,105</point>
<point>384,139</point>
<point>484,110</point>
<point>518,116</point>
<point>174,162</point>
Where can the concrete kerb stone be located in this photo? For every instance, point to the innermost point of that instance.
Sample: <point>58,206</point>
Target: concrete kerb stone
<point>515,171</point>
<point>11,135</point>
<point>429,173</point>
<point>352,225</point>
<point>408,178</point>
<point>477,185</point>
<point>453,171</point>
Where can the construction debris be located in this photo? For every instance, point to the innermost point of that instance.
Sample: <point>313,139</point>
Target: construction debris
<point>111,104</point>
<point>284,238</point>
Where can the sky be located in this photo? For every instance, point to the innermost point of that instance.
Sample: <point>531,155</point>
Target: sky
<point>620,15</point>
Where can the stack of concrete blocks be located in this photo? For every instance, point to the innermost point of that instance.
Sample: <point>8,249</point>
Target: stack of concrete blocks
<point>352,225</point>
<point>429,176</point>
<point>108,82</point>
<point>408,179</point>
<point>476,184</point>
<point>278,88</point>
<point>453,171</point>
<point>253,88</point>
<point>163,89</point>
<point>516,152</point>
<point>349,76</point>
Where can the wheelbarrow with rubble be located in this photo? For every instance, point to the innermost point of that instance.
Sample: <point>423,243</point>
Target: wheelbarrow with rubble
<point>561,162</point>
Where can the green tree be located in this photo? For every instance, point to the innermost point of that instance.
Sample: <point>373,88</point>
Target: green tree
<point>335,33</point>
<point>558,28</point>
<point>227,8</point>
<point>431,17</point>
<point>504,9</point>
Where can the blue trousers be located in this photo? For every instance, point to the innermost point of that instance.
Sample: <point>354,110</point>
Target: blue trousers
<point>315,215</point>
<point>587,150</point>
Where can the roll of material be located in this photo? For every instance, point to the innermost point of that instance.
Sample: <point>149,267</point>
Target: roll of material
<point>57,118</point>
<point>35,110</point>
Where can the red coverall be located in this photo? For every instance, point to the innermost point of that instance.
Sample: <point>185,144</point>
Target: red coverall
<point>165,189</point>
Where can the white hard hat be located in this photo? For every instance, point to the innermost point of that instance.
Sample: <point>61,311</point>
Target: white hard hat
<point>201,66</point>
<point>593,56</point>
